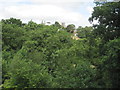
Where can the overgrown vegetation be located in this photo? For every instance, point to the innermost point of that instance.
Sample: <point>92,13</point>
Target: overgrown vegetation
<point>39,56</point>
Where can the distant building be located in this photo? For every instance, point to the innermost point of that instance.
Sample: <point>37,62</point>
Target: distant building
<point>75,35</point>
<point>45,23</point>
<point>48,23</point>
<point>63,24</point>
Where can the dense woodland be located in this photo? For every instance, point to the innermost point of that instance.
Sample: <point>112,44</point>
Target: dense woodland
<point>46,56</point>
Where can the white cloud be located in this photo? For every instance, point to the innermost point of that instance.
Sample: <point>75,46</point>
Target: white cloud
<point>58,1</point>
<point>90,9</point>
<point>12,1</point>
<point>45,10</point>
<point>47,1</point>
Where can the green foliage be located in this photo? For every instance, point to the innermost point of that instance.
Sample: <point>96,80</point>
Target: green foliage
<point>78,75</point>
<point>28,75</point>
<point>39,56</point>
<point>70,28</point>
<point>107,28</point>
<point>12,37</point>
<point>107,15</point>
<point>111,63</point>
<point>12,21</point>
<point>57,25</point>
<point>84,32</point>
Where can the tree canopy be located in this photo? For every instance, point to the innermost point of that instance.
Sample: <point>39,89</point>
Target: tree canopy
<point>39,56</point>
<point>108,17</point>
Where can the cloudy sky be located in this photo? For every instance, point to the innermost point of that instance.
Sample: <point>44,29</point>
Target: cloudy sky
<point>69,11</point>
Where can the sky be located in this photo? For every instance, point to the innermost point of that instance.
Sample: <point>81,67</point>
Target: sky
<point>74,12</point>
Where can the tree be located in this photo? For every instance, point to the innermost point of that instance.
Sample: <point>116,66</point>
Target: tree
<point>57,24</point>
<point>70,28</point>
<point>110,67</point>
<point>17,22</point>
<point>84,32</point>
<point>31,26</point>
<point>107,28</point>
<point>38,56</point>
<point>12,36</point>
<point>108,17</point>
